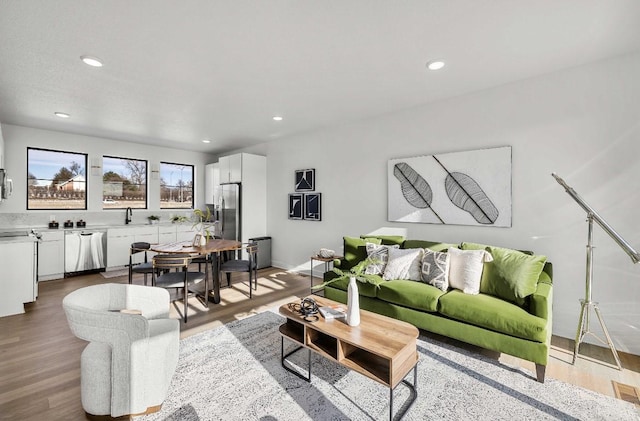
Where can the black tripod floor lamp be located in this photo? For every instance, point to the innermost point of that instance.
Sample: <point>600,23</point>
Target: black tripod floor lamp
<point>587,304</point>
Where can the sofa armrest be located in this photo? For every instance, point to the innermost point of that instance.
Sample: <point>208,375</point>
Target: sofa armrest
<point>542,300</point>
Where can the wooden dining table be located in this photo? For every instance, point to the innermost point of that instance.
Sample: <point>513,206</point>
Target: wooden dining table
<point>212,248</point>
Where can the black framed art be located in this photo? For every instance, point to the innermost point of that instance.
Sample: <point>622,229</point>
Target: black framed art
<point>295,205</point>
<point>312,206</point>
<point>306,180</point>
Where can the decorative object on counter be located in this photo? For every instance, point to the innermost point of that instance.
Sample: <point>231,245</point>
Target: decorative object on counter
<point>326,253</point>
<point>53,225</point>
<point>153,219</point>
<point>178,219</point>
<point>68,223</point>
<point>81,224</point>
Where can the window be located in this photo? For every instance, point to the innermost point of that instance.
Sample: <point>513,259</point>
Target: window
<point>176,186</point>
<point>56,179</point>
<point>124,183</point>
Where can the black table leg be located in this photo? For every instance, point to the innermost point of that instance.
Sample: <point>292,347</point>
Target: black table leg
<point>215,275</point>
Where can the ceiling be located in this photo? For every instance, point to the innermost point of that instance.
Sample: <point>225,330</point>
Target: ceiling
<point>178,72</point>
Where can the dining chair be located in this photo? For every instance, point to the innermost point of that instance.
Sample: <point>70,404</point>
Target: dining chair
<point>182,277</point>
<point>145,267</point>
<point>249,265</point>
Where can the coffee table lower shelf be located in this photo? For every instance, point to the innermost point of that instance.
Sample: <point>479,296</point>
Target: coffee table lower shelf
<point>354,357</point>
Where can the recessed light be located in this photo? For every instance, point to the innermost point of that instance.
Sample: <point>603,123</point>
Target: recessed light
<point>277,118</point>
<point>206,141</point>
<point>91,61</point>
<point>435,65</point>
<point>62,115</point>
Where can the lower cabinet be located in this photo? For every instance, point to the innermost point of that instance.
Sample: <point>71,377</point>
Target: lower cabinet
<point>51,255</point>
<point>18,280</point>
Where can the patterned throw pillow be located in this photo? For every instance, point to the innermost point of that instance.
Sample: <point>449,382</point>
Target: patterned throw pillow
<point>380,254</point>
<point>435,269</point>
<point>403,264</point>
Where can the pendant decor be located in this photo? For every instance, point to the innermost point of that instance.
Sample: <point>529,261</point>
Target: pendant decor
<point>353,303</point>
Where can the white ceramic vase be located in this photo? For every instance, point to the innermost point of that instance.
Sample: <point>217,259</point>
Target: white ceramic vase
<point>353,303</point>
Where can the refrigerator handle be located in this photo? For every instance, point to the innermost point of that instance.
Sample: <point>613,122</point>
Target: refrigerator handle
<point>222,214</point>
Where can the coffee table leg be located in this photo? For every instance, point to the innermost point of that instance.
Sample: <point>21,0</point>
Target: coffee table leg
<point>284,357</point>
<point>413,388</point>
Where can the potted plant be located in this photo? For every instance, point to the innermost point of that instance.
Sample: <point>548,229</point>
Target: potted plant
<point>356,273</point>
<point>153,219</point>
<point>178,219</point>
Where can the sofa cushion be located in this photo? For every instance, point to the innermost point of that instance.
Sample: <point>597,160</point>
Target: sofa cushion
<point>415,295</point>
<point>368,289</point>
<point>465,269</point>
<point>403,264</point>
<point>511,275</point>
<point>431,245</point>
<point>387,240</point>
<point>355,251</point>
<point>435,269</point>
<point>379,253</point>
<point>493,313</point>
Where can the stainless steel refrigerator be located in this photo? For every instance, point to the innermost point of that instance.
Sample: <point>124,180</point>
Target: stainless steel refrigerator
<point>229,212</point>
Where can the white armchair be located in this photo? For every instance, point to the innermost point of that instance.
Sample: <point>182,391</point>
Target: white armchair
<point>127,367</point>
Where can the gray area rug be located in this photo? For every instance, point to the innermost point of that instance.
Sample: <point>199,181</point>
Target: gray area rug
<point>234,373</point>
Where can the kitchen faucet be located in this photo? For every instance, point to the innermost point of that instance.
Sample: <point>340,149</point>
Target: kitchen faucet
<point>128,215</point>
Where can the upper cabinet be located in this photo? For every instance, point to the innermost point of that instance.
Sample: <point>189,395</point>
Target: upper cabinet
<point>211,183</point>
<point>231,168</point>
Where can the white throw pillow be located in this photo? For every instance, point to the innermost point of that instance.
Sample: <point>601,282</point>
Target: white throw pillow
<point>435,269</point>
<point>403,264</point>
<point>380,253</point>
<point>465,269</point>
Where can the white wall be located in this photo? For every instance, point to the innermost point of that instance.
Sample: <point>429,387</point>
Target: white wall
<point>1,149</point>
<point>582,123</point>
<point>18,138</point>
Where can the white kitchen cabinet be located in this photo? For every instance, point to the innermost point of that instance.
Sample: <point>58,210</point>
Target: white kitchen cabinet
<point>51,255</point>
<point>184,232</point>
<point>211,183</point>
<point>18,281</point>
<point>119,242</point>
<point>230,168</point>
<point>166,234</point>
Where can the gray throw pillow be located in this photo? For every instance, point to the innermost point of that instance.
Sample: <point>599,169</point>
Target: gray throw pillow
<point>379,253</point>
<point>435,269</point>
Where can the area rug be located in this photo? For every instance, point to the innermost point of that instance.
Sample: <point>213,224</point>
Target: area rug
<point>234,373</point>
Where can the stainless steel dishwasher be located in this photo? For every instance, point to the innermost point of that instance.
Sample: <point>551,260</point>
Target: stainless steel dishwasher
<point>84,250</point>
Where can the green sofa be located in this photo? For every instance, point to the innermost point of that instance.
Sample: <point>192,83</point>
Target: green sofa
<point>521,328</point>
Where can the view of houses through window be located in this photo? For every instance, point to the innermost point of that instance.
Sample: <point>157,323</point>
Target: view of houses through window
<point>124,183</point>
<point>176,186</point>
<point>56,179</point>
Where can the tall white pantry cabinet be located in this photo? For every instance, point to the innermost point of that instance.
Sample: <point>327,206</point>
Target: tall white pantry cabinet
<point>250,171</point>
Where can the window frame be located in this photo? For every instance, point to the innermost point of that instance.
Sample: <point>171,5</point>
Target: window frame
<point>86,180</point>
<point>193,169</point>
<point>146,183</point>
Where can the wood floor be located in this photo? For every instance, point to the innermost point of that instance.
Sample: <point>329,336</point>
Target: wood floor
<point>40,358</point>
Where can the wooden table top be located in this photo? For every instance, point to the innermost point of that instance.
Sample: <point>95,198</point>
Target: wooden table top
<point>376,333</point>
<point>186,247</point>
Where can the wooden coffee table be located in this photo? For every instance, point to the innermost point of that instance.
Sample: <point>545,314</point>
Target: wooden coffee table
<point>381,348</point>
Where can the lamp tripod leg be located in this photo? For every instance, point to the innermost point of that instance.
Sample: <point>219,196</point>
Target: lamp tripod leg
<point>582,329</point>
<point>609,341</point>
